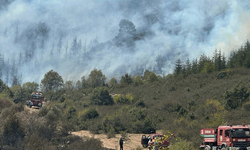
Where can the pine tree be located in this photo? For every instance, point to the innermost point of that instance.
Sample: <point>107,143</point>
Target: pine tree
<point>195,66</point>
<point>188,67</point>
<point>7,71</point>
<point>178,67</point>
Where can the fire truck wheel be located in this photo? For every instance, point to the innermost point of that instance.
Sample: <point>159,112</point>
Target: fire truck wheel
<point>207,147</point>
<point>223,148</point>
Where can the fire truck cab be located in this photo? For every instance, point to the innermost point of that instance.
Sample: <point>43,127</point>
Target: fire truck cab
<point>226,137</point>
<point>35,100</point>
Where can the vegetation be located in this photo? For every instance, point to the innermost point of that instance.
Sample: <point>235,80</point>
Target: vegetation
<point>203,93</point>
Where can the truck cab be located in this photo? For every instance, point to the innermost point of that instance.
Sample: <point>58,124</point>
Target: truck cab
<point>36,99</point>
<point>237,137</point>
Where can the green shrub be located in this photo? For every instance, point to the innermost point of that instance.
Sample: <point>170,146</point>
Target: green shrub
<point>182,145</point>
<point>112,82</point>
<point>12,131</point>
<point>4,103</point>
<point>88,114</point>
<point>221,75</point>
<point>246,106</point>
<point>71,112</point>
<point>127,99</point>
<point>152,77</point>
<point>138,80</point>
<point>235,97</point>
<point>140,103</point>
<point>111,133</point>
<point>101,97</point>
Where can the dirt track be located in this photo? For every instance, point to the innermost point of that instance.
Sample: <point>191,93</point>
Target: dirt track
<point>133,142</point>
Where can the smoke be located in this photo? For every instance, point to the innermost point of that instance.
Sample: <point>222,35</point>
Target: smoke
<point>117,36</point>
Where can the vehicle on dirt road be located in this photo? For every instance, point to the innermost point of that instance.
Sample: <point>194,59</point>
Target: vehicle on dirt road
<point>35,100</point>
<point>226,138</point>
<point>162,140</point>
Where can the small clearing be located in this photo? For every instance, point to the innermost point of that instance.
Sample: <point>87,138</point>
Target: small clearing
<point>133,140</point>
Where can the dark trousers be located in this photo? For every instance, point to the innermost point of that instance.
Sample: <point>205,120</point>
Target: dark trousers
<point>121,147</point>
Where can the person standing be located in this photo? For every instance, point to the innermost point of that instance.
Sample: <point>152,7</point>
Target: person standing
<point>121,144</point>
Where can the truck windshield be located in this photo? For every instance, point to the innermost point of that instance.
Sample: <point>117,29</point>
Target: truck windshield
<point>36,96</point>
<point>240,133</point>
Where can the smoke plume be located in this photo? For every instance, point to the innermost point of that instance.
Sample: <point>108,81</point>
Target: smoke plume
<point>73,37</point>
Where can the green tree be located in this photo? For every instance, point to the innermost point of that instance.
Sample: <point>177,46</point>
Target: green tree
<point>84,82</point>
<point>51,81</point>
<point>112,82</point>
<point>30,87</point>
<point>126,79</point>
<point>68,85</point>
<point>138,80</point>
<point>178,67</point>
<point>19,94</point>
<point>195,66</point>
<point>152,77</point>
<point>78,85</point>
<point>188,67</point>
<point>101,97</point>
<point>96,78</point>
<point>208,67</point>
<point>237,96</point>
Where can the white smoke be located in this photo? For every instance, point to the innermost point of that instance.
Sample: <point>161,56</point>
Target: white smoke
<point>171,29</point>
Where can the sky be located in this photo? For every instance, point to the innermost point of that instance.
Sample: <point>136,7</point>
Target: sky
<point>170,29</point>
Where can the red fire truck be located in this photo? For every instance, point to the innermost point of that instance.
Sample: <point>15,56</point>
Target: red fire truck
<point>226,137</point>
<point>35,100</point>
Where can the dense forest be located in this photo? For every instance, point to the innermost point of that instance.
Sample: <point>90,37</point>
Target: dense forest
<point>202,93</point>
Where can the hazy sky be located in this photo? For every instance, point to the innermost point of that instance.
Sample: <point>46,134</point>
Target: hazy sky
<point>176,29</point>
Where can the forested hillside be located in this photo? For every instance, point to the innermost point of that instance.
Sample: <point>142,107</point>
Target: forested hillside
<point>203,93</point>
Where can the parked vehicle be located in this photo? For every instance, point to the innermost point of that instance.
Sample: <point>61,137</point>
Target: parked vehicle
<point>162,141</point>
<point>226,137</point>
<point>35,100</point>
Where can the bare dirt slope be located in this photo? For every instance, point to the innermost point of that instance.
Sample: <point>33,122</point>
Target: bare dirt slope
<point>133,142</point>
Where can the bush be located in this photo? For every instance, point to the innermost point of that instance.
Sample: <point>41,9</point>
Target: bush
<point>127,99</point>
<point>101,97</point>
<point>138,81</point>
<point>221,75</point>
<point>126,79</point>
<point>246,106</point>
<point>71,112</point>
<point>12,131</point>
<point>35,142</point>
<point>88,114</point>
<point>235,97</point>
<point>182,145</point>
<point>111,133</point>
<point>5,104</point>
<point>152,77</point>
<point>112,82</point>
<point>140,103</point>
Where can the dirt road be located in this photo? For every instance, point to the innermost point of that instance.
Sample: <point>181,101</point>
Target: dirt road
<point>133,142</point>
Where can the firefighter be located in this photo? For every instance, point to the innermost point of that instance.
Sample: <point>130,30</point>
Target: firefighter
<point>121,144</point>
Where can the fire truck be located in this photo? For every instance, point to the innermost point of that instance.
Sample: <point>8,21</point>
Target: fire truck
<point>149,142</point>
<point>226,138</point>
<point>36,99</point>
